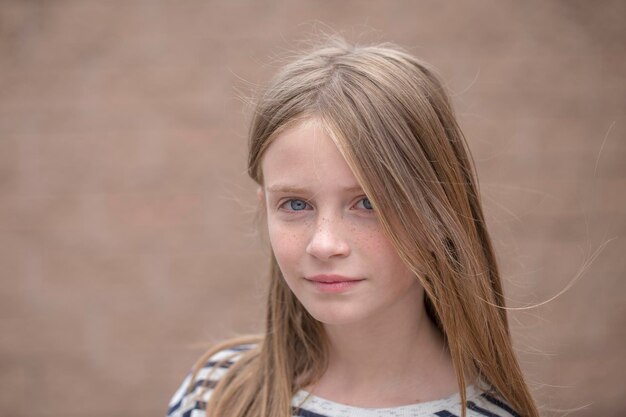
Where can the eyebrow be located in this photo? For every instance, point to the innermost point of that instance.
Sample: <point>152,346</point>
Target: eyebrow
<point>286,188</point>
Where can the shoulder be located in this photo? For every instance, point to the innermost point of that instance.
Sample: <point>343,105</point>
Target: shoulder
<point>191,397</point>
<point>488,403</point>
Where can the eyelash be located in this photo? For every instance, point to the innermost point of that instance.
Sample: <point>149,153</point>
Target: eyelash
<point>307,205</point>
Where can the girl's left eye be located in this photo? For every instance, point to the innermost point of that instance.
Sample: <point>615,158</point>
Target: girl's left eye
<point>365,203</point>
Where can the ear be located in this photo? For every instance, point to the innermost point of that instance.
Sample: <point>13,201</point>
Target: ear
<point>260,195</point>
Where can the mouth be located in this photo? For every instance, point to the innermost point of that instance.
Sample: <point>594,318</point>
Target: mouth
<point>333,283</point>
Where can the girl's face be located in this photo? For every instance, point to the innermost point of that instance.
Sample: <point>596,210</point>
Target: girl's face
<point>326,236</point>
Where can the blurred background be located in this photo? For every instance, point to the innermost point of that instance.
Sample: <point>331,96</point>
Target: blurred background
<point>127,235</point>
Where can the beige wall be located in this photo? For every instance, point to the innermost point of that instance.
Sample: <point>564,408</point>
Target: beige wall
<point>127,238</point>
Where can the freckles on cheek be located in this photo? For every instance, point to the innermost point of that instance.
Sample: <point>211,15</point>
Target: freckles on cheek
<point>375,244</point>
<point>288,253</point>
<point>284,243</point>
<point>372,237</point>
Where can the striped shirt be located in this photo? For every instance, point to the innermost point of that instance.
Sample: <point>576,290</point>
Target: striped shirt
<point>304,404</point>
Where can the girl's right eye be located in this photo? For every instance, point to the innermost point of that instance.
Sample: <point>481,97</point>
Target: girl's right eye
<point>295,205</point>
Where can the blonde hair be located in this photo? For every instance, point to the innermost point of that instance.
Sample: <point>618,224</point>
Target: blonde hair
<point>392,120</point>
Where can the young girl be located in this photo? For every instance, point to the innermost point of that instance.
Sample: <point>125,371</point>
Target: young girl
<point>385,298</point>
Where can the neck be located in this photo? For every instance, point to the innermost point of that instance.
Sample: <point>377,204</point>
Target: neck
<point>387,361</point>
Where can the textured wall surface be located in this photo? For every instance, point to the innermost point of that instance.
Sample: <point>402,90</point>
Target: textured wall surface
<point>127,235</point>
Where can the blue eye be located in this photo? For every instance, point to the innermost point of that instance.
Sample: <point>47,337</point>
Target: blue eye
<point>366,203</point>
<point>297,205</point>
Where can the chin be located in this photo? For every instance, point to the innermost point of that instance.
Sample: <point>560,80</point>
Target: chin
<point>336,316</point>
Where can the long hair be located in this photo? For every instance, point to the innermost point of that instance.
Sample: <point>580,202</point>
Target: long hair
<point>392,120</point>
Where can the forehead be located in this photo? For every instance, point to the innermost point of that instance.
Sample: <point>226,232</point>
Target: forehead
<point>304,155</point>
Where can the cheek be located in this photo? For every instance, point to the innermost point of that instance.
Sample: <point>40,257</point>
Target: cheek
<point>286,245</point>
<point>381,251</point>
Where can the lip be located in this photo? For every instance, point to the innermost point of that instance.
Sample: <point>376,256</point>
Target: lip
<point>333,283</point>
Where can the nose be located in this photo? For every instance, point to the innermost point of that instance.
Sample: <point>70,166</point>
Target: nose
<point>328,241</point>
